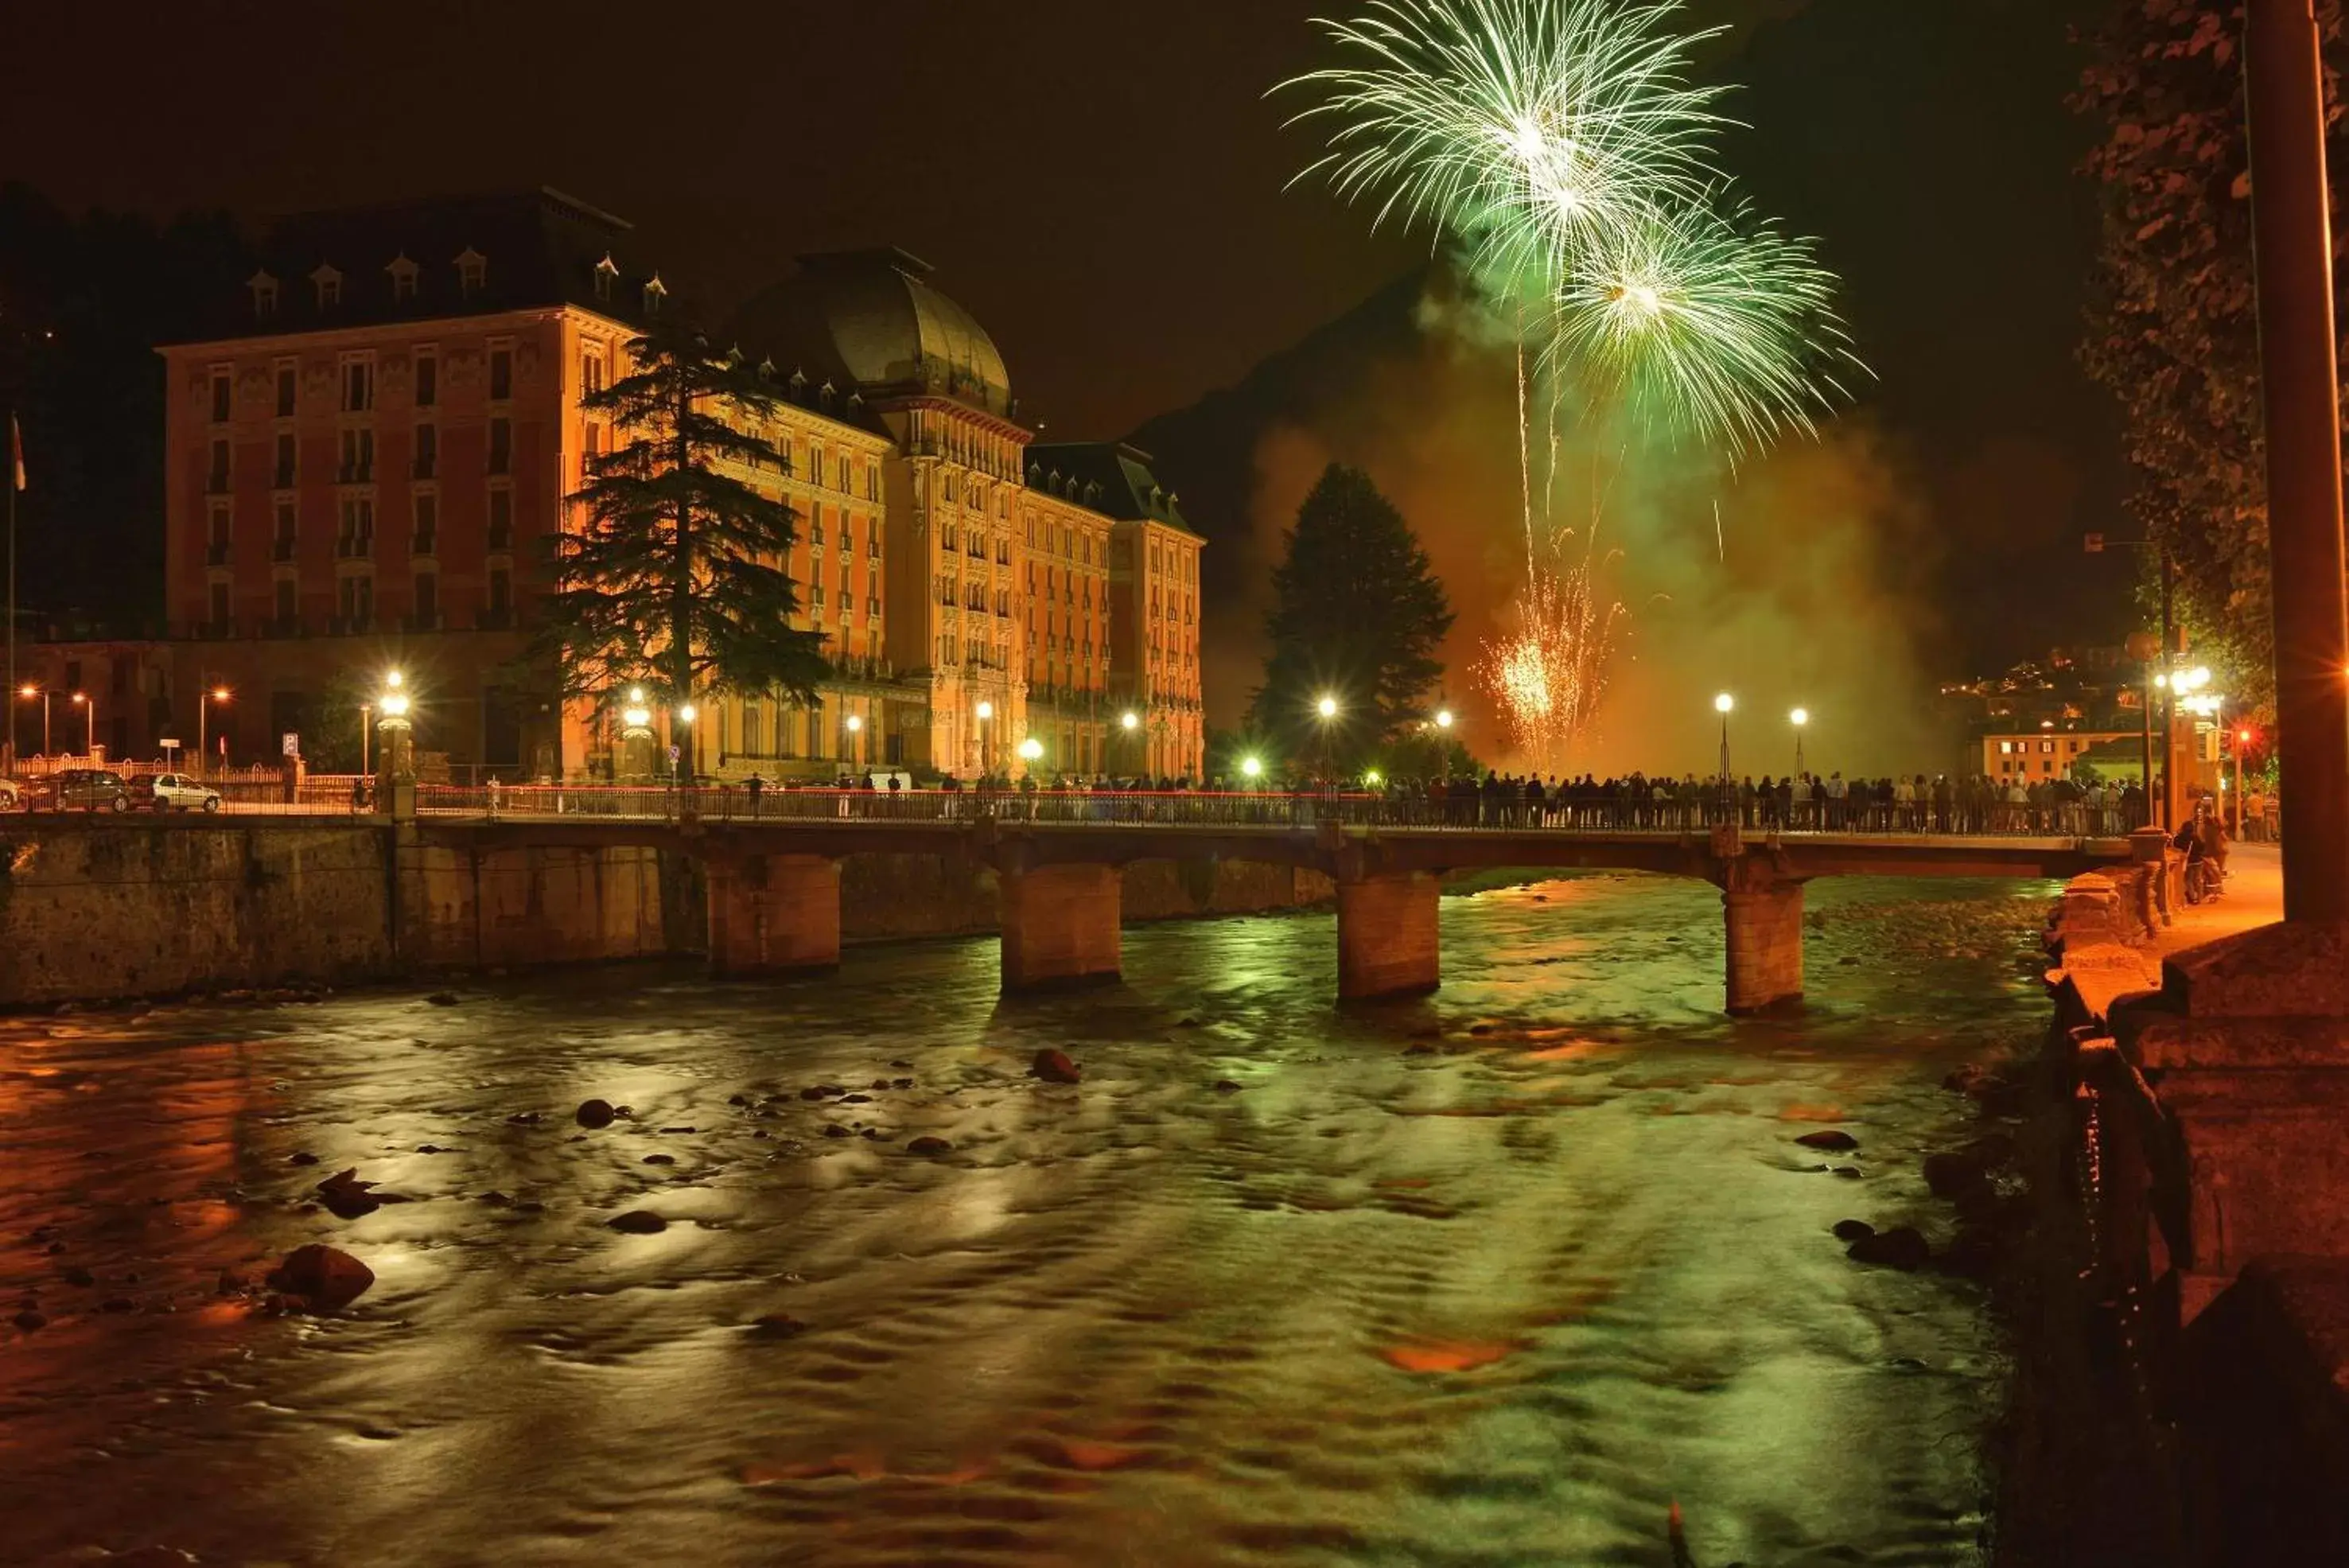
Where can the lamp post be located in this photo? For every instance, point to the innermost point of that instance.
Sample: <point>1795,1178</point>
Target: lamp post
<point>1031,751</point>
<point>1131,723</point>
<point>1722,705</point>
<point>29,693</point>
<point>856,741</point>
<point>1799,718</point>
<point>398,788</point>
<point>2300,393</point>
<point>204,699</point>
<point>637,736</point>
<point>1251,769</point>
<point>1328,710</point>
<point>688,746</point>
<point>88,704</point>
<point>984,710</point>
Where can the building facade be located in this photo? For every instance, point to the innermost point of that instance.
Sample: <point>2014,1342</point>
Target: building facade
<point>369,461</point>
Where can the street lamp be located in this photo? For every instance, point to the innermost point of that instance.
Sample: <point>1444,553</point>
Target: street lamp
<point>29,692</point>
<point>1328,709</point>
<point>204,699</point>
<point>1251,768</point>
<point>90,724</point>
<point>1372,777</point>
<point>1722,705</point>
<point>1444,718</point>
<point>856,739</point>
<point>984,710</point>
<point>1031,750</point>
<point>1799,716</point>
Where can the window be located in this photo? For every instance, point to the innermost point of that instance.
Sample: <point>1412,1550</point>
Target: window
<point>428,523</point>
<point>502,519</point>
<point>356,538</point>
<point>840,471</point>
<point>815,465</point>
<point>428,451</point>
<point>285,610</point>
<point>872,481</point>
<point>501,591</point>
<point>500,374</point>
<point>590,375</point>
<point>223,389</point>
<point>816,595</point>
<point>284,476</point>
<point>427,599</point>
<point>357,592</point>
<point>604,275</point>
<point>265,294</point>
<point>285,391</point>
<point>216,478</point>
<point>403,278</point>
<point>873,535</point>
<point>329,284</point>
<point>285,525</point>
<point>427,380</point>
<point>357,466</point>
<point>219,606</point>
<point>358,386</point>
<point>218,535</point>
<point>654,292</point>
<point>2006,747</point>
<point>502,446</point>
<point>472,272</point>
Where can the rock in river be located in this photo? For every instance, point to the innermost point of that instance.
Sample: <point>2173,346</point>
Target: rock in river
<point>1055,1067</point>
<point>324,1277</point>
<point>638,1222</point>
<point>929,1146</point>
<point>1833,1138</point>
<point>594,1114</point>
<point>1902,1247</point>
<point>1853,1229</point>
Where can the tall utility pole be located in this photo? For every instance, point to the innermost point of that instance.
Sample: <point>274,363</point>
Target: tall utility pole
<point>2299,394</point>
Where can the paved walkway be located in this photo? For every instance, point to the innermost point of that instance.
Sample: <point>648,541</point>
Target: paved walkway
<point>2253,897</point>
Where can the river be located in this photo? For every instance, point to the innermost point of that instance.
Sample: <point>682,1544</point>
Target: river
<point>1491,1278</point>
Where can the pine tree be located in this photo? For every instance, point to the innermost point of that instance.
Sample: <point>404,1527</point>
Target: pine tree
<point>676,578</point>
<point>1358,616</point>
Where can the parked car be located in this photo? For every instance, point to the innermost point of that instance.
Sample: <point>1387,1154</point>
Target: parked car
<point>179,792</point>
<point>12,795</point>
<point>84,789</point>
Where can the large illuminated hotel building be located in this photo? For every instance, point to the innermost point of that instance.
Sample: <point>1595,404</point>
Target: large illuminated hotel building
<point>368,460</point>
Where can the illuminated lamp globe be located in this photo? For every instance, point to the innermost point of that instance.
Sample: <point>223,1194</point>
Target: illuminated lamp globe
<point>1251,767</point>
<point>987,710</point>
<point>1130,720</point>
<point>1327,707</point>
<point>393,679</point>
<point>688,713</point>
<point>1031,749</point>
<point>1372,777</point>
<point>856,722</point>
<point>1724,703</point>
<point>394,705</point>
<point>1444,718</point>
<point>1801,716</point>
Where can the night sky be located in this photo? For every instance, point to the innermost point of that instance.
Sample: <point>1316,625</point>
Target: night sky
<point>1104,186</point>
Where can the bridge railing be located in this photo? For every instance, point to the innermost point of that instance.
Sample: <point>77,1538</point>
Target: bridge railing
<point>1251,808</point>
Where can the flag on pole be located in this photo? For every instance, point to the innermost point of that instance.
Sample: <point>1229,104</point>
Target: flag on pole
<point>16,451</point>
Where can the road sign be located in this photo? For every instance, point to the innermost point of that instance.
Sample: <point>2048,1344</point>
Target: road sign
<point>674,754</point>
<point>290,744</point>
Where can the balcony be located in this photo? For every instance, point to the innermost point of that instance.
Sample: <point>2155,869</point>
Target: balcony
<point>216,483</point>
<point>429,620</point>
<point>284,478</point>
<point>427,466</point>
<point>355,547</point>
<point>281,550</point>
<point>355,473</point>
<point>423,544</point>
<point>494,619</point>
<point>284,626</point>
<point>500,538</point>
<point>216,553</point>
<point>350,625</point>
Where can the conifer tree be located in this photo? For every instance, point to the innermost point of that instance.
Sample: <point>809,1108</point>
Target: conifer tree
<point>676,578</point>
<point>1358,616</point>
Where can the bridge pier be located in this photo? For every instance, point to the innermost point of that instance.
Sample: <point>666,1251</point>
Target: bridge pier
<point>1060,926</point>
<point>774,914</point>
<point>1765,943</point>
<point>1386,935</point>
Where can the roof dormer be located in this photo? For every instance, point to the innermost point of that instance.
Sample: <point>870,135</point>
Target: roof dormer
<point>403,278</point>
<point>472,272</point>
<point>328,282</point>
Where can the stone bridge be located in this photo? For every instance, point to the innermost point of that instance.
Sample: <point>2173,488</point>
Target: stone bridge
<point>774,881</point>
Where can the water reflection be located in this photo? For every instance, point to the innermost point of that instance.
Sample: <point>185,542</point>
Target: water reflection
<point>1490,1277</point>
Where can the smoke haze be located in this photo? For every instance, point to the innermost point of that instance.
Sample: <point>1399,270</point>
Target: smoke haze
<point>1812,595</point>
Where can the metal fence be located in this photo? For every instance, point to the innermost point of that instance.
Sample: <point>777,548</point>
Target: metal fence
<point>1207,808</point>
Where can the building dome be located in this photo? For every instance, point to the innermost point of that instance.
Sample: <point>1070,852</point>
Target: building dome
<point>872,319</point>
